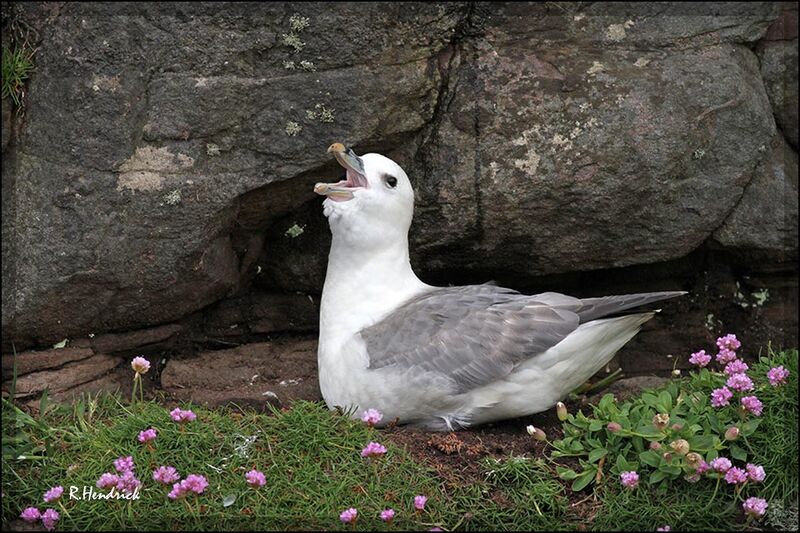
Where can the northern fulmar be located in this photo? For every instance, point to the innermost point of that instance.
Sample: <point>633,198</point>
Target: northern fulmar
<point>443,358</point>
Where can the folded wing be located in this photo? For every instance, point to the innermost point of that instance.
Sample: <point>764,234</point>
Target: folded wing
<point>477,334</point>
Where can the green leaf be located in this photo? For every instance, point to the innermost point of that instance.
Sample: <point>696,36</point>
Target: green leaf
<point>664,404</point>
<point>650,399</point>
<point>657,476</point>
<point>596,454</point>
<point>701,442</point>
<point>43,403</point>
<point>566,473</point>
<point>650,458</point>
<point>576,446</point>
<point>738,453</point>
<point>595,425</point>
<point>649,431</point>
<point>673,391</point>
<point>583,480</point>
<point>670,469</point>
<point>749,427</point>
<point>80,412</point>
<point>622,464</point>
<point>713,422</point>
<point>606,402</point>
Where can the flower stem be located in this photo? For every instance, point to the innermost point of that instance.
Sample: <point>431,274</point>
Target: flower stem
<point>135,384</point>
<point>64,509</point>
<point>719,477</point>
<point>628,433</point>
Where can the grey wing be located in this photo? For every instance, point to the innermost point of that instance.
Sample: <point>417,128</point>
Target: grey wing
<point>473,335</point>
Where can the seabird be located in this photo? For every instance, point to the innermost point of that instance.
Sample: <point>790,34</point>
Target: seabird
<point>443,358</point>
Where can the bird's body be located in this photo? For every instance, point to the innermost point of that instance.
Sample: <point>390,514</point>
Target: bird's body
<point>443,357</point>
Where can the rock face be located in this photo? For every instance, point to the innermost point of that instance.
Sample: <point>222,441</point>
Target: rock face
<point>147,132</point>
<point>575,156</point>
<point>778,54</point>
<point>161,175</point>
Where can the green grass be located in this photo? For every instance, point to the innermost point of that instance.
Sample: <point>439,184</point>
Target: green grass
<point>311,458</point>
<point>775,446</point>
<point>682,506</point>
<point>314,470</point>
<point>17,65</point>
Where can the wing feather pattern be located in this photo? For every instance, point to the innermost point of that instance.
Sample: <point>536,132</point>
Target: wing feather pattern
<point>477,334</point>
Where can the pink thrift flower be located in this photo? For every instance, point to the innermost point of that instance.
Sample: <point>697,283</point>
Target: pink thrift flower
<point>664,528</point>
<point>755,506</point>
<point>128,483</point>
<point>255,478</point>
<point>740,382</point>
<point>373,449</point>
<point>31,515</point>
<point>124,464</point>
<point>349,516</point>
<point>166,475</point>
<point>777,376</point>
<point>53,494</point>
<point>721,464</point>
<point>179,415</point>
<point>752,404</point>
<point>107,481</point>
<point>728,342</point>
<point>49,519</point>
<point>721,397</point>
<point>737,366</point>
<point>735,475</point>
<point>177,491</point>
<point>702,468</point>
<point>755,473</point>
<point>147,435</point>
<point>140,365</point>
<point>387,515</point>
<point>419,502</point>
<point>700,358</point>
<point>726,356</point>
<point>629,479</point>
<point>371,416</point>
<point>195,483</point>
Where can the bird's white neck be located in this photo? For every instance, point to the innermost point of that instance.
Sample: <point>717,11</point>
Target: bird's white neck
<point>364,285</point>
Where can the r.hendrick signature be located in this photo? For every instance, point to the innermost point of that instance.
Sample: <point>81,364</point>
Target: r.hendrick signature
<point>89,493</point>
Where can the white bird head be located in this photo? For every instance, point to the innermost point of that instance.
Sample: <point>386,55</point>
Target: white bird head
<point>373,205</point>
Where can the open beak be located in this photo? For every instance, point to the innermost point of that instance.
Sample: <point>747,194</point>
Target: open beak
<point>355,178</point>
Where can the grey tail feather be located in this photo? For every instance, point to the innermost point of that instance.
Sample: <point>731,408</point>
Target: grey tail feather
<point>593,308</point>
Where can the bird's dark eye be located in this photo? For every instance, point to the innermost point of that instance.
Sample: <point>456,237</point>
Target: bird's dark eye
<point>391,181</point>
